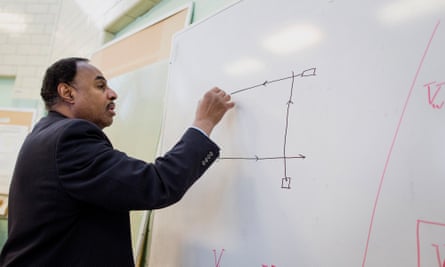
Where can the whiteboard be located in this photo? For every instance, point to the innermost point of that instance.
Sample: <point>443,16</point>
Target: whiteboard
<point>334,153</point>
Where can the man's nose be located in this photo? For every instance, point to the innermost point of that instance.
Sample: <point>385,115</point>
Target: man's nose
<point>112,94</point>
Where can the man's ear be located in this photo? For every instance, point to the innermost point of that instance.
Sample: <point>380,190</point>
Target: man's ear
<point>65,92</point>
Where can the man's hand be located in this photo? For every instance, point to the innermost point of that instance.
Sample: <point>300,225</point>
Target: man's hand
<point>211,109</point>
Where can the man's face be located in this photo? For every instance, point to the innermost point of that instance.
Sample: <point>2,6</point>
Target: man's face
<point>93,97</point>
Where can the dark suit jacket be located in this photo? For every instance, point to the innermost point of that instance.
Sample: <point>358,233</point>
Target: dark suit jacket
<point>71,193</point>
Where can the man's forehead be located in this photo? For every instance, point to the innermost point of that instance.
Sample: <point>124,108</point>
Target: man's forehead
<point>90,72</point>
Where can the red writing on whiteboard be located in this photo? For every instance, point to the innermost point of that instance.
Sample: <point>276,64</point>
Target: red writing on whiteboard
<point>433,91</point>
<point>218,258</point>
<point>430,243</point>
<point>439,259</point>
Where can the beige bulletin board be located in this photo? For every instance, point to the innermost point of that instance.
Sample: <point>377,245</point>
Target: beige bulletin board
<point>147,46</point>
<point>14,126</point>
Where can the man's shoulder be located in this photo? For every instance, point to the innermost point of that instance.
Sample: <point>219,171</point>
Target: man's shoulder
<point>56,127</point>
<point>55,122</point>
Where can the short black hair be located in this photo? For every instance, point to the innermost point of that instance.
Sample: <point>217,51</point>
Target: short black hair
<point>62,71</point>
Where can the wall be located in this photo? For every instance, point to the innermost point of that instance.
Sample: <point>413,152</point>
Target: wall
<point>202,9</point>
<point>6,95</point>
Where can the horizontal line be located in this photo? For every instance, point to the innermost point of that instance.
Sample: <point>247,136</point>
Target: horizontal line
<point>300,156</point>
<point>305,73</point>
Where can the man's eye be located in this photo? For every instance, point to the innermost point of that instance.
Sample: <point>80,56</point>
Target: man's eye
<point>102,86</point>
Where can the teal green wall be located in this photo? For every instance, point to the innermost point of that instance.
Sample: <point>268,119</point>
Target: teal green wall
<point>6,85</point>
<point>6,96</point>
<point>3,231</point>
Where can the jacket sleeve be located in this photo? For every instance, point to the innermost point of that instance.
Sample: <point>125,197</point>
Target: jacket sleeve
<point>91,171</point>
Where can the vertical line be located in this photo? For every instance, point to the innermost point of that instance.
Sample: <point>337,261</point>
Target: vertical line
<point>388,158</point>
<point>437,254</point>
<point>287,125</point>
<point>418,242</point>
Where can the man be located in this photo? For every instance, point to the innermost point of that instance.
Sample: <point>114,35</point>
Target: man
<point>71,192</point>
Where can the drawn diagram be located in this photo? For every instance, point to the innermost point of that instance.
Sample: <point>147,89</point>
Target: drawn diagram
<point>286,180</point>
